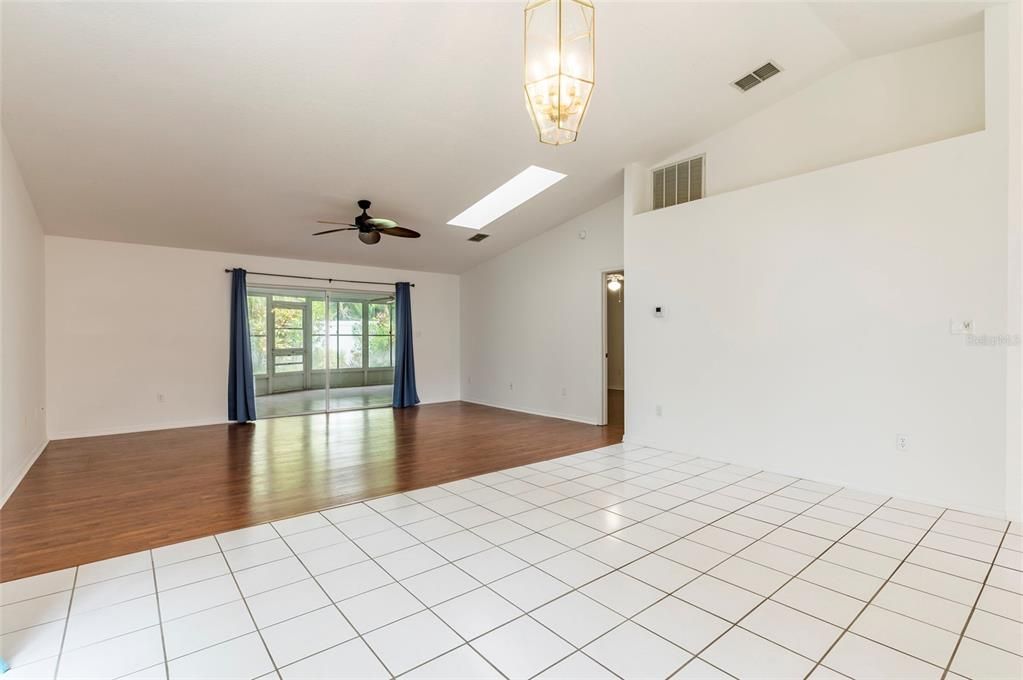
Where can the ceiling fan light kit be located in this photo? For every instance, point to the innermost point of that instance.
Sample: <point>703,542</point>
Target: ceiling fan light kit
<point>370,228</point>
<point>558,66</point>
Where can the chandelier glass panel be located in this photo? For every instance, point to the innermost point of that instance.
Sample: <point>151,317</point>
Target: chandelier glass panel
<point>558,74</point>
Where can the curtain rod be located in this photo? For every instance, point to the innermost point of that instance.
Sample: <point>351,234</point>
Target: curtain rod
<point>321,278</point>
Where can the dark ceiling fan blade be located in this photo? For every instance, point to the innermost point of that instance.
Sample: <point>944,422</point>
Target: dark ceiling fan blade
<point>345,224</point>
<point>331,231</point>
<point>381,223</point>
<point>399,231</point>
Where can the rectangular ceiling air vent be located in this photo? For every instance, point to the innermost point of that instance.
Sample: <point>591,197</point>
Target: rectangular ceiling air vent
<point>679,182</point>
<point>476,238</point>
<point>757,76</point>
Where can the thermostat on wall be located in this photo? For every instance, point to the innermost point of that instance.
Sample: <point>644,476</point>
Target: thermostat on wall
<point>658,311</point>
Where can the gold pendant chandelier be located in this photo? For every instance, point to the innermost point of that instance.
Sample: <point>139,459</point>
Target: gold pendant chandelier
<point>558,67</point>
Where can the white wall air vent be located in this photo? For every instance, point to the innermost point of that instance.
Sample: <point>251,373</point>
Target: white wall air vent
<point>757,76</point>
<point>679,183</point>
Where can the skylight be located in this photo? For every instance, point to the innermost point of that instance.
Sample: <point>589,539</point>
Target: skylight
<point>507,197</point>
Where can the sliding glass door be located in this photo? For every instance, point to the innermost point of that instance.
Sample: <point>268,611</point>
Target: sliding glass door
<point>289,321</point>
<point>320,350</point>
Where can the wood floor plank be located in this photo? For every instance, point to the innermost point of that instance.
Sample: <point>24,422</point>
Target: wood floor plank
<point>98,497</point>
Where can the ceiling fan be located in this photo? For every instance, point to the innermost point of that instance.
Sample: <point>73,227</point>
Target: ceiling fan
<point>370,228</point>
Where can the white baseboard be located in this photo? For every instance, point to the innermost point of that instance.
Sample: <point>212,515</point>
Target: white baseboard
<point>546,414</point>
<point>130,429</point>
<point>24,471</point>
<point>151,427</point>
<point>879,490</point>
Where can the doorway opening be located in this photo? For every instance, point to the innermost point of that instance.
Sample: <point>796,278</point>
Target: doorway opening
<point>316,351</point>
<point>613,287</point>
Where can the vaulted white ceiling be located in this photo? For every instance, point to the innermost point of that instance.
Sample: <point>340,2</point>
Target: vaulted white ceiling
<point>236,126</point>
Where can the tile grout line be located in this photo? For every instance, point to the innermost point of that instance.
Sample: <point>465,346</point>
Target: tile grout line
<point>244,602</point>
<point>631,619</point>
<point>792,577</point>
<point>817,503</point>
<point>67,622</point>
<point>299,558</point>
<point>649,552</point>
<point>482,585</point>
<point>493,546</point>
<point>159,615</point>
<point>627,619</point>
<point>568,549</point>
<point>820,558</point>
<point>355,630</point>
<point>397,581</point>
<point>736,554</point>
<point>872,598</point>
<point>976,601</point>
<point>524,614</point>
<point>499,546</point>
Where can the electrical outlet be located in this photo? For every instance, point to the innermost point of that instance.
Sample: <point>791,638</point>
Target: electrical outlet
<point>960,327</point>
<point>657,410</point>
<point>902,442</point>
<point>159,397</point>
<point>511,386</point>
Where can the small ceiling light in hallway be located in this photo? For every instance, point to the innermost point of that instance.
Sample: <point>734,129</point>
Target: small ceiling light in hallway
<point>558,69</point>
<point>614,284</point>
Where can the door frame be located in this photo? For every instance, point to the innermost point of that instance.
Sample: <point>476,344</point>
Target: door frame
<point>603,339</point>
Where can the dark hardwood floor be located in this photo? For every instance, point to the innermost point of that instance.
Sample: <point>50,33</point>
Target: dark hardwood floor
<point>98,497</point>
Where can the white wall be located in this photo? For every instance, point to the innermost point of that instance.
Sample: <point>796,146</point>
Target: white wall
<point>126,322</point>
<point>872,106</point>
<point>808,314</point>
<point>23,382</point>
<point>532,320</point>
<point>807,324</point>
<point>1005,90</point>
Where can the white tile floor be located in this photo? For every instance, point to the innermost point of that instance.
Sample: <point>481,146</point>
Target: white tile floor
<point>620,562</point>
